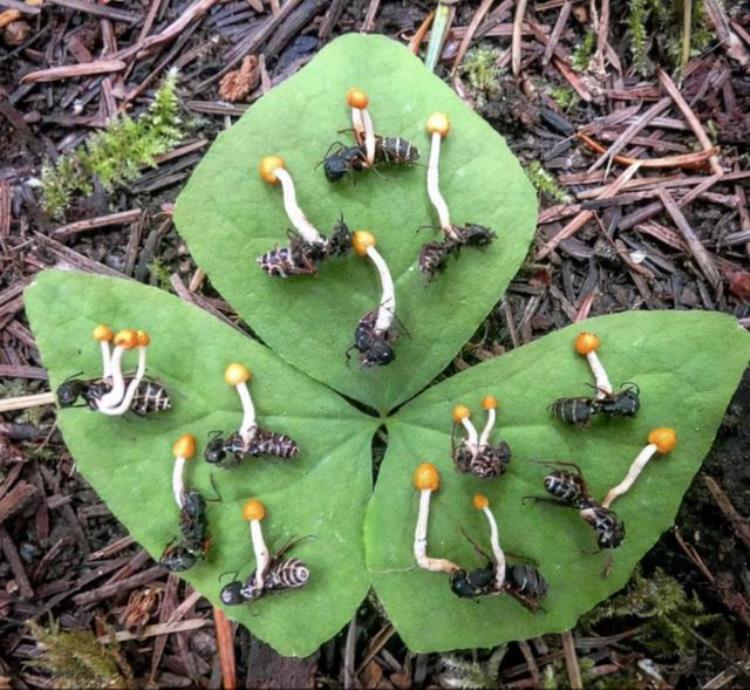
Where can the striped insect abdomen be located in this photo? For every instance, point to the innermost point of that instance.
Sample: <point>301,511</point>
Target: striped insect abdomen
<point>574,410</point>
<point>290,573</point>
<point>564,486</point>
<point>269,443</point>
<point>151,396</point>
<point>396,150</point>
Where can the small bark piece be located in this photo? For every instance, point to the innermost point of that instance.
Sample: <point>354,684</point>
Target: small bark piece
<point>237,84</point>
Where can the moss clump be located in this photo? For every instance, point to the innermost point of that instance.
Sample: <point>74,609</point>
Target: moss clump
<point>664,22</point>
<point>583,52</point>
<point>116,154</point>
<point>545,183</point>
<point>480,70</point>
<point>564,96</point>
<point>667,613</point>
<point>77,660</point>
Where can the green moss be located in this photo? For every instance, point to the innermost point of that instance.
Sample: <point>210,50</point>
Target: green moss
<point>668,614</point>
<point>583,52</point>
<point>638,14</point>
<point>564,96</point>
<point>116,154</point>
<point>77,660</point>
<point>457,672</point>
<point>481,72</point>
<point>545,182</point>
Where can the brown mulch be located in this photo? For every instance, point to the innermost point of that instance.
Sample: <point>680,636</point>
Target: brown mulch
<point>656,170</point>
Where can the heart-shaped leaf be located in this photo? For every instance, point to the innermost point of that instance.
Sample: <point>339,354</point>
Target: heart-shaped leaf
<point>685,382</point>
<point>323,492</point>
<point>229,217</point>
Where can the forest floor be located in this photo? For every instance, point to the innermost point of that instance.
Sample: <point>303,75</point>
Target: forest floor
<point>569,83</point>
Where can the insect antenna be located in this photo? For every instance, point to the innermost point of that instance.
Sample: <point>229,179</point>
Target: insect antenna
<point>217,498</point>
<point>291,543</point>
<point>476,546</point>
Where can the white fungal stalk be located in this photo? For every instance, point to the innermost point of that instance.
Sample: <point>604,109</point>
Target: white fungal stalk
<point>124,341</point>
<point>238,375</point>
<point>438,127</point>
<point>104,335</point>
<point>489,404</point>
<point>461,415</point>
<point>659,441</point>
<point>183,450</point>
<point>363,243</point>
<point>273,170</point>
<point>124,406</point>
<point>481,503</point>
<point>587,344</point>
<point>254,511</point>
<point>364,131</point>
<point>427,480</point>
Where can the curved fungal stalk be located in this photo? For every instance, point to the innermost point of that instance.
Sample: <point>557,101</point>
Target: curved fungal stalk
<point>363,243</point>
<point>183,449</point>
<point>364,130</point>
<point>273,170</point>
<point>254,511</point>
<point>482,503</point>
<point>660,441</point>
<point>587,344</point>
<point>238,375</point>
<point>438,127</point>
<point>461,415</point>
<point>124,340</point>
<point>427,480</point>
<point>143,341</point>
<point>489,403</point>
<point>104,335</point>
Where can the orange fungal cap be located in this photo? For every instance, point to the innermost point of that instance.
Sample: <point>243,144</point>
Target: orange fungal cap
<point>362,240</point>
<point>253,510</point>
<point>127,338</point>
<point>103,333</point>
<point>143,338</point>
<point>356,98</point>
<point>268,167</point>
<point>587,342</point>
<point>461,412</point>
<point>480,501</point>
<point>438,123</point>
<point>184,447</point>
<point>489,402</point>
<point>235,374</point>
<point>427,477</point>
<point>664,439</point>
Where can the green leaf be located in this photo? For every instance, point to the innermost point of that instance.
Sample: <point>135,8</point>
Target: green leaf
<point>229,217</point>
<point>686,382</point>
<point>323,492</point>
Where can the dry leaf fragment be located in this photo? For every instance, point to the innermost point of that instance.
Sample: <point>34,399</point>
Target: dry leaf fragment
<point>238,84</point>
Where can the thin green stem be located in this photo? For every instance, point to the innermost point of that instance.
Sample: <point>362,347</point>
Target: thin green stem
<point>440,27</point>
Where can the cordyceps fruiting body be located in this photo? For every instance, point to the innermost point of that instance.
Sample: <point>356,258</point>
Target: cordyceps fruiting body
<point>250,440</point>
<point>475,454</point>
<point>307,247</point>
<point>115,393</point>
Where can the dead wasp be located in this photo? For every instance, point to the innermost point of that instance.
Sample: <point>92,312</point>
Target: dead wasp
<point>230,452</point>
<point>281,574</point>
<point>524,582</point>
<point>433,257</point>
<point>576,411</point>
<point>568,488</point>
<point>476,454</point>
<point>150,395</point>
<point>375,347</point>
<point>195,543</point>
<point>300,257</point>
<point>345,159</point>
<point>623,403</point>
